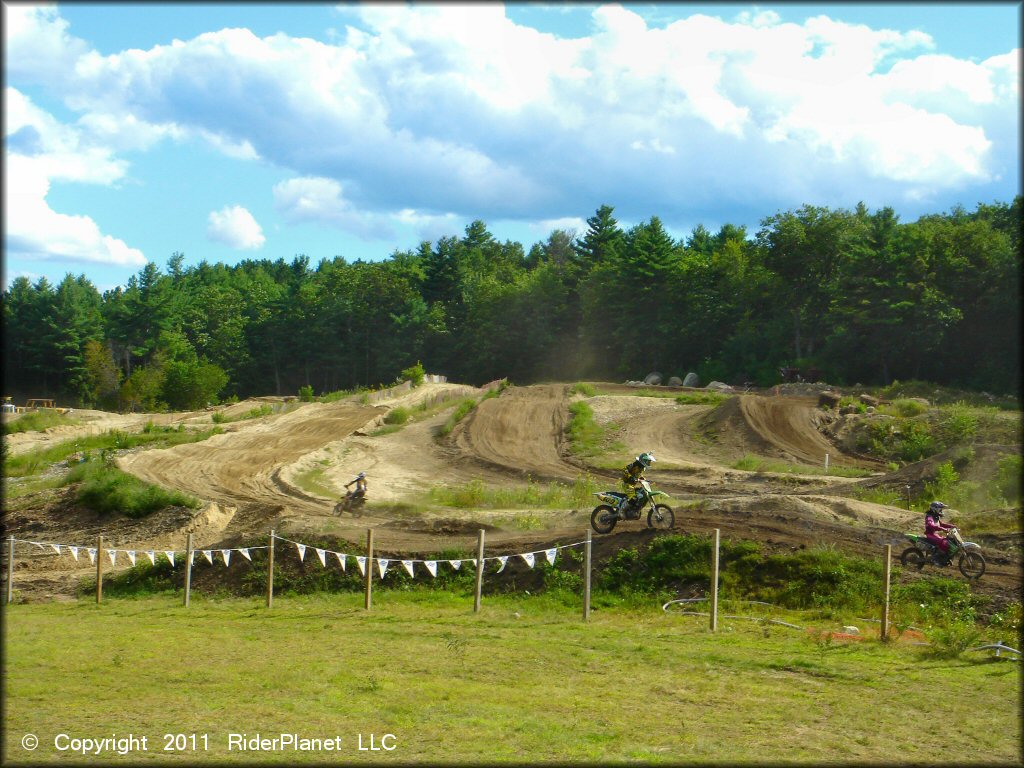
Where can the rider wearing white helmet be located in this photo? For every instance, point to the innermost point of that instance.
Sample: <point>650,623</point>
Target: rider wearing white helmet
<point>633,473</point>
<point>360,483</point>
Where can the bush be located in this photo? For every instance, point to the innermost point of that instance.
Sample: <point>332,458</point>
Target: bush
<point>1008,478</point>
<point>908,408</point>
<point>397,415</point>
<point>306,394</point>
<point>106,489</point>
<point>413,374</point>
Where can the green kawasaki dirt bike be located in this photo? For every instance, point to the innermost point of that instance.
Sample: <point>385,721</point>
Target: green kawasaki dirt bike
<point>618,507</point>
<point>968,554</point>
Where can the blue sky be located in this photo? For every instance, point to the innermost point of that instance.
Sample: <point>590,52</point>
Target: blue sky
<point>235,131</point>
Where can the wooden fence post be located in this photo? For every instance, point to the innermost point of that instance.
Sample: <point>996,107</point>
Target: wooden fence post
<point>714,583</point>
<point>885,604</point>
<point>479,571</point>
<point>99,570</point>
<point>270,570</point>
<point>10,572</point>
<point>586,577</point>
<point>188,568</point>
<point>369,569</point>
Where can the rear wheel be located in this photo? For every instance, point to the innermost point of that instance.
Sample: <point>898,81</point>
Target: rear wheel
<point>661,516</point>
<point>972,565</point>
<point>913,558</point>
<point>603,519</point>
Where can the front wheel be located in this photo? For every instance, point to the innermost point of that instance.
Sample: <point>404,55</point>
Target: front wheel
<point>661,516</point>
<point>972,565</point>
<point>913,558</point>
<point>603,519</point>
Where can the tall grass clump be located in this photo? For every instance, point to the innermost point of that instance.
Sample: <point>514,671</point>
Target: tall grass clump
<point>701,398</point>
<point>586,436</point>
<point>38,421</point>
<point>461,410</point>
<point>106,489</point>
<point>397,415</point>
<point>583,388</point>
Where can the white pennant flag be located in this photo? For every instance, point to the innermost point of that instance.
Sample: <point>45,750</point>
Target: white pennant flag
<point>56,548</point>
<point>92,554</point>
<point>323,557</point>
<point>208,554</point>
<point>152,556</point>
<point>383,566</point>
<point>302,551</point>
<point>431,566</point>
<point>455,564</point>
<point>170,556</point>
<point>74,552</point>
<point>112,554</point>
<point>41,546</point>
<point>528,557</point>
<point>131,556</point>
<point>361,562</point>
<point>226,554</point>
<point>503,559</point>
<point>245,553</point>
<point>407,564</point>
<point>341,559</point>
<point>551,554</point>
<point>473,561</point>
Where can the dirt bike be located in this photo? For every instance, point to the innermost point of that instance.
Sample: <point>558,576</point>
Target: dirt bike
<point>968,554</point>
<point>618,507</point>
<point>353,502</point>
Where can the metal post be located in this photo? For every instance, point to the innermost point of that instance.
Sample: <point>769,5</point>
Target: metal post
<point>908,497</point>
<point>479,571</point>
<point>99,570</point>
<point>270,571</point>
<point>714,582</point>
<point>369,569</point>
<point>188,568</point>
<point>586,577</point>
<point>826,463</point>
<point>885,605</point>
<point>10,572</point>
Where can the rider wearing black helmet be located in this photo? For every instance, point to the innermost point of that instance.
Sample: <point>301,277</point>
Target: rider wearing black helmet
<point>934,527</point>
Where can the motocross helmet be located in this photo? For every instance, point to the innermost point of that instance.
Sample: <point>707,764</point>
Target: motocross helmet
<point>360,476</point>
<point>936,507</point>
<point>646,459</point>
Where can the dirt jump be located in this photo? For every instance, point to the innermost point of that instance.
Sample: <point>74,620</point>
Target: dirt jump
<point>286,471</point>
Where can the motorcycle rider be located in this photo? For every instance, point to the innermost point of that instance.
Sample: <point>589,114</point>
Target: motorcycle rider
<point>933,531</point>
<point>632,474</point>
<point>360,483</point>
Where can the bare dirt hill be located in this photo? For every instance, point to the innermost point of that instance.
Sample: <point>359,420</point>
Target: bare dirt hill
<point>251,478</point>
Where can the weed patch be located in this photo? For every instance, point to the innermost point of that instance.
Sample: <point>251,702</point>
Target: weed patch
<point>106,489</point>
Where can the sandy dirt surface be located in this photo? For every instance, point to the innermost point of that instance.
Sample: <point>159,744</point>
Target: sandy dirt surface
<point>254,477</point>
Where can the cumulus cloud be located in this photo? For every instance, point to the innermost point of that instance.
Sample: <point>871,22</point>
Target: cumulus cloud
<point>39,149</point>
<point>235,227</point>
<point>456,110</point>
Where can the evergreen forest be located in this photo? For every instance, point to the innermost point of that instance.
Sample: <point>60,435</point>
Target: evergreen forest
<point>859,295</point>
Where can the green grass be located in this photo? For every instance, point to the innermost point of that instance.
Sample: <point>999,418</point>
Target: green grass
<point>587,438</point>
<point>252,413</point>
<point>107,490</point>
<point>314,481</point>
<point>475,495</point>
<point>151,436</point>
<point>751,463</point>
<point>461,411</point>
<point>701,398</point>
<point>38,421</point>
<point>523,680</point>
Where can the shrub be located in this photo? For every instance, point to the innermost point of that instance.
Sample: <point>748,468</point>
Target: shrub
<point>306,394</point>
<point>908,408</point>
<point>106,489</point>
<point>1008,478</point>
<point>413,374</point>
<point>397,415</point>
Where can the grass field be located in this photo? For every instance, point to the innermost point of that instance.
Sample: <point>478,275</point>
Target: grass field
<point>525,680</point>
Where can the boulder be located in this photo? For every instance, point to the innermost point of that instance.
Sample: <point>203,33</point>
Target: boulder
<point>653,378</point>
<point>718,386</point>
<point>868,400</point>
<point>829,399</point>
<point>691,380</point>
<point>675,381</point>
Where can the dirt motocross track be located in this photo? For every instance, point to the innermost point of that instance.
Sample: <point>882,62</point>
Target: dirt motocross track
<point>250,478</point>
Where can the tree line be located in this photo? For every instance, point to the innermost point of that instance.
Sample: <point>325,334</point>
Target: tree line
<point>856,294</point>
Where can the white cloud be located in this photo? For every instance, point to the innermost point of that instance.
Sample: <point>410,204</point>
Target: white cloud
<point>37,48</point>
<point>431,114</point>
<point>39,150</point>
<point>235,227</point>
